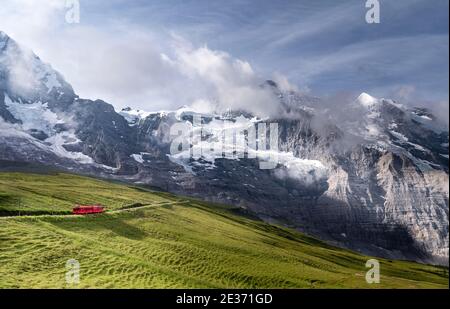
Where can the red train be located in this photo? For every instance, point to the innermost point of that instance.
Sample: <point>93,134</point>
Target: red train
<point>88,209</point>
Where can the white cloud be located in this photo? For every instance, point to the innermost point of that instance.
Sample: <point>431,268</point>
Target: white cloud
<point>135,69</point>
<point>223,80</point>
<point>128,66</point>
<point>405,92</point>
<point>284,84</point>
<point>29,20</point>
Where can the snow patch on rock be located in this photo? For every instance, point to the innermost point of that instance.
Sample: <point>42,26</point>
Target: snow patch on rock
<point>138,158</point>
<point>366,100</point>
<point>133,116</point>
<point>57,142</point>
<point>35,116</point>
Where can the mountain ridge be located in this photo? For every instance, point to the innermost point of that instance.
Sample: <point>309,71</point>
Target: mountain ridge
<point>387,165</point>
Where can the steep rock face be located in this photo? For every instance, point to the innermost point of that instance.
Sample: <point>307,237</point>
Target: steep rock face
<point>371,175</point>
<point>417,200</point>
<point>104,135</point>
<point>384,200</point>
<point>388,188</point>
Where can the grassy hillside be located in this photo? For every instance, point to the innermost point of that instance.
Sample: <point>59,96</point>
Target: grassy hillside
<point>167,242</point>
<point>57,193</point>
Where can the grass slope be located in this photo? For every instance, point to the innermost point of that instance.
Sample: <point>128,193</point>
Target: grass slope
<point>168,243</point>
<point>57,193</point>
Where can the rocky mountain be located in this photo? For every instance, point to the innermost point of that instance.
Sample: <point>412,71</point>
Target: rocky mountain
<point>369,174</point>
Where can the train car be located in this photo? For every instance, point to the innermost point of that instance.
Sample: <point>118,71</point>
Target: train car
<point>87,209</point>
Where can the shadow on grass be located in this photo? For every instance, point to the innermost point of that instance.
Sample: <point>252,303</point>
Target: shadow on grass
<point>7,199</point>
<point>122,228</point>
<point>99,223</point>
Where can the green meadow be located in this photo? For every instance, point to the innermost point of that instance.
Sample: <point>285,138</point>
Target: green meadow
<point>150,239</point>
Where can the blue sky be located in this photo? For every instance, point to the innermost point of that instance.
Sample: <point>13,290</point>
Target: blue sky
<point>324,47</point>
